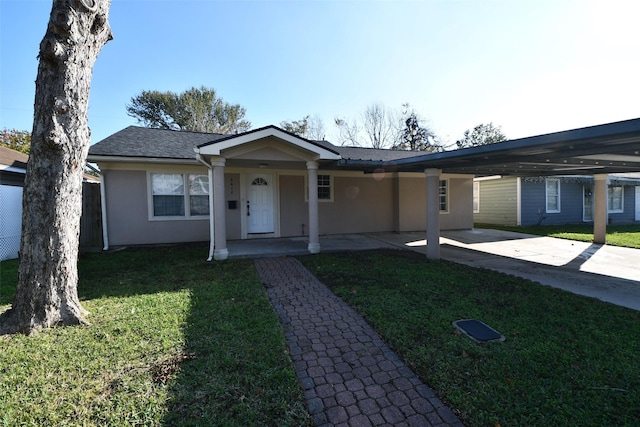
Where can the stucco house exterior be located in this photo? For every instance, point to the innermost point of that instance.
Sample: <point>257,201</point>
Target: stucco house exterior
<point>157,185</point>
<point>558,199</point>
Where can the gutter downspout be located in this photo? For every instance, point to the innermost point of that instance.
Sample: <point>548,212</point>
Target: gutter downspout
<point>211,211</point>
<point>103,208</point>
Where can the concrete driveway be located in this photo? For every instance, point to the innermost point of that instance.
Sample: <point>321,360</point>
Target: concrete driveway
<point>608,273</point>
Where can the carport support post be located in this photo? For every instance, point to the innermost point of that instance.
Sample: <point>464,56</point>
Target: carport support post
<point>312,182</point>
<point>600,212</point>
<point>220,252</point>
<point>433,213</point>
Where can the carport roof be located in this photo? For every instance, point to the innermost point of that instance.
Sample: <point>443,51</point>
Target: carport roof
<point>602,149</point>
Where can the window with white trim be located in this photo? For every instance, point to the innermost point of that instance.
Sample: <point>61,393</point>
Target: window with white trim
<point>172,198</point>
<point>476,196</point>
<point>552,195</point>
<point>198,195</point>
<point>443,195</point>
<point>615,199</point>
<point>324,187</point>
<point>168,194</point>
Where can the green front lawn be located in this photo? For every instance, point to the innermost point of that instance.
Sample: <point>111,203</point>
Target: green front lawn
<point>178,341</point>
<point>617,235</point>
<point>174,341</point>
<point>567,360</point>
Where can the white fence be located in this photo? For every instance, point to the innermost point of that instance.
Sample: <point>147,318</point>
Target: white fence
<point>10,221</point>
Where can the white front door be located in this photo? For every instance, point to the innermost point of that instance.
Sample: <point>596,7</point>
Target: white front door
<point>637,203</point>
<point>260,203</point>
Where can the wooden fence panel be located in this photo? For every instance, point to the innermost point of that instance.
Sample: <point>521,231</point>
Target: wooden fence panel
<point>90,222</point>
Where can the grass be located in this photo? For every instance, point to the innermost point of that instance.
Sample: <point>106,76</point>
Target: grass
<point>617,235</point>
<point>567,360</point>
<point>174,341</point>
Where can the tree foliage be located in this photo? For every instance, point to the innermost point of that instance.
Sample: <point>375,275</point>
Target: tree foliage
<point>414,136</point>
<point>296,127</point>
<point>483,134</point>
<point>311,128</point>
<point>196,109</point>
<point>19,140</point>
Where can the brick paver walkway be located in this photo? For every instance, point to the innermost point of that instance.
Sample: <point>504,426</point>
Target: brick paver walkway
<point>350,377</point>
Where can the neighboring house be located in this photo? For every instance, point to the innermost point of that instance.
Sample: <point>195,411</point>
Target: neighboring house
<point>553,200</point>
<point>13,169</point>
<point>156,186</point>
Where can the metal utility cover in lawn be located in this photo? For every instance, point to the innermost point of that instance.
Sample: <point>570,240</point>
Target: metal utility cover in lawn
<point>478,331</point>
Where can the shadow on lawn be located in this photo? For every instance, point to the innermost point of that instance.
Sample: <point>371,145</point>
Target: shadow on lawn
<point>233,368</point>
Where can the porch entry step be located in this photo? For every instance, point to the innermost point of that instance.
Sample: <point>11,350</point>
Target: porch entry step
<point>478,331</point>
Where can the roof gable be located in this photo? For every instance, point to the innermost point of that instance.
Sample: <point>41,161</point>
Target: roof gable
<point>219,146</point>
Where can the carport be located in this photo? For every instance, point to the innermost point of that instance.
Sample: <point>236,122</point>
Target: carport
<point>595,150</point>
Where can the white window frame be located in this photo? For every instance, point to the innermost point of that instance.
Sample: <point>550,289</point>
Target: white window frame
<point>610,198</point>
<point>476,196</point>
<point>546,195</point>
<point>331,186</point>
<point>443,194</point>
<point>186,197</point>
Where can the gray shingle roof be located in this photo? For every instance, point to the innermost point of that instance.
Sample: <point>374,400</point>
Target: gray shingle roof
<point>369,154</point>
<point>135,141</point>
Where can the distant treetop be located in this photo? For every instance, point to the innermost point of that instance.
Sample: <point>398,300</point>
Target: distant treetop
<point>196,109</point>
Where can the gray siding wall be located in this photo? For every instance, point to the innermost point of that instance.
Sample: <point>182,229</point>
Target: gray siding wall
<point>360,204</point>
<point>369,205</point>
<point>498,202</point>
<point>232,216</point>
<point>629,206</point>
<point>460,215</point>
<point>534,204</point>
<point>128,215</point>
<point>293,210</point>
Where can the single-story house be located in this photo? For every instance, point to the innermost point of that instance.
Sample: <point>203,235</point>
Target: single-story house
<point>561,199</point>
<point>13,169</point>
<point>156,187</point>
<point>163,186</point>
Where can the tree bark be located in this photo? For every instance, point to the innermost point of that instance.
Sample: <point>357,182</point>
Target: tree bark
<point>46,293</point>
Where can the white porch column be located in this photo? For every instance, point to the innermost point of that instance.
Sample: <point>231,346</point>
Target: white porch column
<point>600,212</point>
<point>312,181</point>
<point>433,213</point>
<point>220,251</point>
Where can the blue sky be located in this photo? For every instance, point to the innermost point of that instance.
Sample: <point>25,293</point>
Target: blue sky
<point>531,67</point>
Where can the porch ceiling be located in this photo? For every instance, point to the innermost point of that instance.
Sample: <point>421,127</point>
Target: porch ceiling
<point>603,149</point>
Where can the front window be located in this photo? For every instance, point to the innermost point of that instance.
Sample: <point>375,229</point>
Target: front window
<point>324,187</point>
<point>443,198</point>
<point>553,195</point>
<point>199,194</point>
<point>616,200</point>
<point>168,194</point>
<point>179,195</point>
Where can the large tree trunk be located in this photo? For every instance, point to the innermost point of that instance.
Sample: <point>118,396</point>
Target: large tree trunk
<point>46,294</point>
